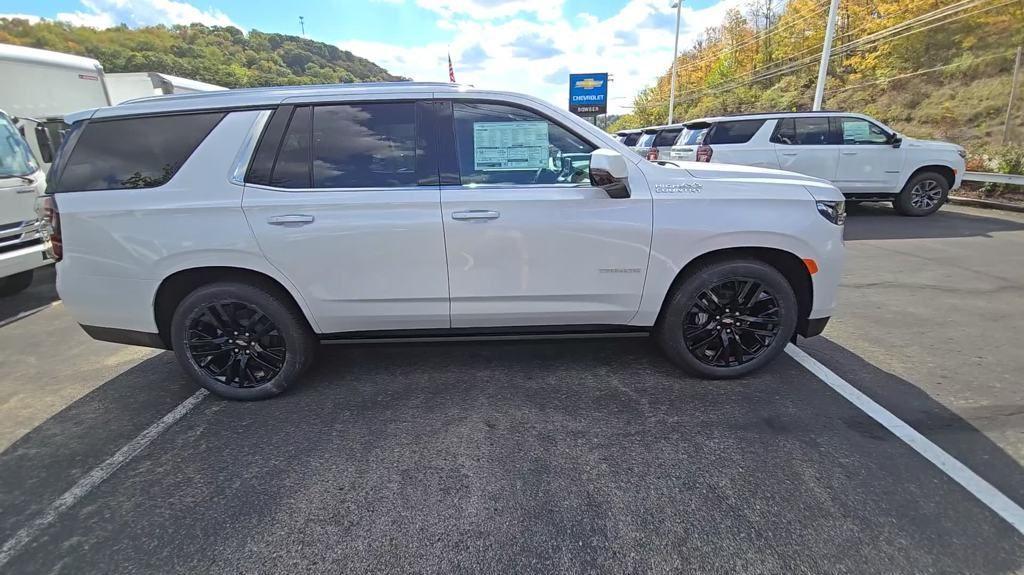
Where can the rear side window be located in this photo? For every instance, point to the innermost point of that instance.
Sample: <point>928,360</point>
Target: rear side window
<point>692,135</point>
<point>667,137</point>
<point>803,132</point>
<point>134,152</point>
<point>738,132</point>
<point>646,140</point>
<point>365,145</point>
<point>631,139</point>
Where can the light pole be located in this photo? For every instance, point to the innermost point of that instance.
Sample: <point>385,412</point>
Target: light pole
<point>826,54</point>
<point>678,5</point>
<point>302,22</point>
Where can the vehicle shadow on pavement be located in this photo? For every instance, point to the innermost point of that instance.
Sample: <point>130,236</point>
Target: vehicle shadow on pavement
<point>42,291</point>
<point>881,222</point>
<point>930,418</point>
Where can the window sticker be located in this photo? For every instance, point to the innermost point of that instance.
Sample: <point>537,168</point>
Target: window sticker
<point>856,131</point>
<point>502,146</point>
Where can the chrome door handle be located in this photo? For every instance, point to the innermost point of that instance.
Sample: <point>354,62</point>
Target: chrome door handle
<point>788,153</point>
<point>476,215</point>
<point>849,153</point>
<point>290,219</point>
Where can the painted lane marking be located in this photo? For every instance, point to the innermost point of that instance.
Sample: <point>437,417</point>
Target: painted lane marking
<point>97,476</point>
<point>25,314</point>
<point>957,471</point>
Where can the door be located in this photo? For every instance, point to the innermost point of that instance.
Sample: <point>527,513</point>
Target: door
<point>350,212</point>
<point>804,145</point>
<point>530,242</point>
<point>867,160</point>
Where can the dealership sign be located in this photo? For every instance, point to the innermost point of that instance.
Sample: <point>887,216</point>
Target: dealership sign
<point>588,94</point>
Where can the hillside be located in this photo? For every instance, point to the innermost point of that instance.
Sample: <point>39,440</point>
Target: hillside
<point>934,69</point>
<point>219,55</point>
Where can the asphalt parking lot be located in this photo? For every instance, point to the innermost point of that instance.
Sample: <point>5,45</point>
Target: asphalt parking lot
<point>546,456</point>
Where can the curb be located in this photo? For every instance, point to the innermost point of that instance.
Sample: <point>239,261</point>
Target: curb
<point>989,204</point>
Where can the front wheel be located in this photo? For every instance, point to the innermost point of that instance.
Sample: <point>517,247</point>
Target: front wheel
<point>241,341</point>
<point>923,195</point>
<point>728,318</point>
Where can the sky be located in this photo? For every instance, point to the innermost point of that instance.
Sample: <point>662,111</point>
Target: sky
<point>527,46</point>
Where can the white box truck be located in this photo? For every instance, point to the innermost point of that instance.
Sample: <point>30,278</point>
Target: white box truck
<point>131,85</point>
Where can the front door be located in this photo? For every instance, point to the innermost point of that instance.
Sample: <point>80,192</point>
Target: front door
<point>529,240</point>
<point>867,161</point>
<point>351,215</point>
<point>803,145</point>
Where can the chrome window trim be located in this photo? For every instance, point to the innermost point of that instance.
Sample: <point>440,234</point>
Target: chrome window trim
<point>344,190</point>
<point>241,164</point>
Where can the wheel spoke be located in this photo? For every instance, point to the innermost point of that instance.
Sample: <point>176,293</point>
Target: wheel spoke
<point>742,333</point>
<point>251,358</point>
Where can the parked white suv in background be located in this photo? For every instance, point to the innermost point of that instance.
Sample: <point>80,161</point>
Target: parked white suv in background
<point>239,228</point>
<point>864,158</point>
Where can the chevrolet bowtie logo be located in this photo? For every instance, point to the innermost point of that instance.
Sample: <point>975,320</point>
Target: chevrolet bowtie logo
<point>589,83</point>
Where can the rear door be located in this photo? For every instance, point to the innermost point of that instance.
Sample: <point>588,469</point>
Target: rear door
<point>805,145</point>
<point>530,241</point>
<point>344,199</point>
<point>867,161</point>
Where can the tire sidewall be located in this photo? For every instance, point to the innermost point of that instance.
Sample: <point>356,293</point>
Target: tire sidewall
<point>903,203</point>
<point>298,352</point>
<point>670,327</point>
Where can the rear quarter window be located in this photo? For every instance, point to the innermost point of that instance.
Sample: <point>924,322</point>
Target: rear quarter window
<point>666,138</point>
<point>737,132</point>
<point>133,152</point>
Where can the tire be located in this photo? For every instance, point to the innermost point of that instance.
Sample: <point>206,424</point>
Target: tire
<point>15,284</point>
<point>923,195</point>
<point>273,348</point>
<point>759,347</point>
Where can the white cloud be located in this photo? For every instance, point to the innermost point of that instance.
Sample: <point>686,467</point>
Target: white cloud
<point>494,9</point>
<point>534,56</point>
<point>32,18</point>
<point>109,13</point>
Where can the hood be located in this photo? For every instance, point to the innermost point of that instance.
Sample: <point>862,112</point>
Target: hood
<point>818,189</point>
<point>930,144</point>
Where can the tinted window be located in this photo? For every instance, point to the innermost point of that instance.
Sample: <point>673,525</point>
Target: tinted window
<point>369,145</point>
<point>500,144</point>
<point>667,137</point>
<point>291,170</point>
<point>803,132</point>
<point>738,132</point>
<point>133,153</point>
<point>631,139</point>
<point>646,140</point>
<point>692,136</point>
<point>859,131</point>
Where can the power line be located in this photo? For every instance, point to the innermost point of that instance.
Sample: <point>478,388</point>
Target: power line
<point>901,76</point>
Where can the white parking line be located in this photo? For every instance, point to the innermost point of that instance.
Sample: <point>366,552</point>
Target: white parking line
<point>96,476</point>
<point>959,472</point>
<point>25,314</point>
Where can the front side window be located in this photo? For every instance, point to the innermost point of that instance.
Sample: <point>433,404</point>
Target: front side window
<point>860,131</point>
<point>499,144</point>
<point>133,152</point>
<point>802,132</point>
<point>371,145</point>
<point>738,132</point>
<point>15,156</point>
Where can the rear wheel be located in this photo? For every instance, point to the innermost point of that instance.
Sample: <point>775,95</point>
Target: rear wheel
<point>241,341</point>
<point>17,283</point>
<point>728,318</point>
<point>923,195</point>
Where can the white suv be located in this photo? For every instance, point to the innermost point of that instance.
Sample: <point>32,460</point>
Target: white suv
<point>865,159</point>
<point>238,228</point>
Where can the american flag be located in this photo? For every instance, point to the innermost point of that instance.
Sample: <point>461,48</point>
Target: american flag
<point>451,71</point>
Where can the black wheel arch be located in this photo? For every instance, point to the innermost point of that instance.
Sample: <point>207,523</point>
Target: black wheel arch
<point>946,172</point>
<point>786,263</point>
<point>175,287</point>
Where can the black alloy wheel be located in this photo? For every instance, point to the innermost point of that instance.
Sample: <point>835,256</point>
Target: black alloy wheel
<point>236,344</point>
<point>732,323</point>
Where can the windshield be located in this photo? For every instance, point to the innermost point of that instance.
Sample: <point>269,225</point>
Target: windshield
<point>691,136</point>
<point>15,156</point>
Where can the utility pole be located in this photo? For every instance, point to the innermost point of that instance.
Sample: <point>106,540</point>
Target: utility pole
<point>826,54</point>
<point>302,22</point>
<point>1013,93</point>
<point>678,5</point>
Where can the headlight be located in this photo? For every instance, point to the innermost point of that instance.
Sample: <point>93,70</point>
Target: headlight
<point>834,212</point>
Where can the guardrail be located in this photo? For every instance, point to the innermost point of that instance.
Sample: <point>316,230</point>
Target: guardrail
<point>988,177</point>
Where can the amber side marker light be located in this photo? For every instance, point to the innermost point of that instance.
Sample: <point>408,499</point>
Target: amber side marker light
<point>812,266</point>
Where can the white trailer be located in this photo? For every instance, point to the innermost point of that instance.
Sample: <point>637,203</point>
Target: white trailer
<point>131,85</point>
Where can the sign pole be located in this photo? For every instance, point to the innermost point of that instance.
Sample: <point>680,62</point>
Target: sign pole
<point>675,56</point>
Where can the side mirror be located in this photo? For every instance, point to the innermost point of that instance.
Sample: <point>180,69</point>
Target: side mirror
<point>896,140</point>
<point>608,171</point>
<point>45,145</point>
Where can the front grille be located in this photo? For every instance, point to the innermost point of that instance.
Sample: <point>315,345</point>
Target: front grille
<point>13,246</point>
